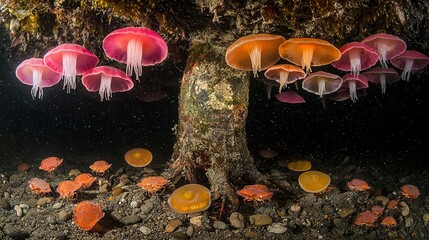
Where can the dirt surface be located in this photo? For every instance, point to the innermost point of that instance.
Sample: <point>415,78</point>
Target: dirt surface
<point>293,214</point>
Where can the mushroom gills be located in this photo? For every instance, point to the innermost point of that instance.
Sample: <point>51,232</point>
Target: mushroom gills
<point>105,89</point>
<point>407,70</point>
<point>255,58</point>
<point>134,58</point>
<point>69,70</point>
<point>37,78</point>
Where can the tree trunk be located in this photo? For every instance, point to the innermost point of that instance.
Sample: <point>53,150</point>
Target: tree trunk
<point>211,136</point>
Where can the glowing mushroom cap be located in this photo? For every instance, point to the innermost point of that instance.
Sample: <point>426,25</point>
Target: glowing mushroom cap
<point>387,46</point>
<point>306,52</point>
<point>299,166</point>
<point>106,80</point>
<point>382,76</point>
<point>314,181</point>
<point>361,81</point>
<point>356,56</point>
<point>322,83</point>
<point>290,97</point>
<point>34,72</point>
<point>87,214</point>
<point>284,74</point>
<point>138,157</point>
<point>70,60</point>
<point>254,52</point>
<point>135,46</point>
<point>190,198</point>
<point>408,61</point>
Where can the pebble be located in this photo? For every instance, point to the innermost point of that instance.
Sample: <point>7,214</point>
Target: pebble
<point>179,235</point>
<point>276,228</point>
<point>117,216</point>
<point>345,212</point>
<point>296,208</point>
<point>146,207</point>
<point>220,225</point>
<point>145,230</point>
<point>74,172</point>
<point>103,188</point>
<point>116,191</point>
<point>57,205</point>
<point>237,220</point>
<point>382,199</point>
<point>24,208</point>
<point>172,225</point>
<point>190,231</point>
<point>408,222</point>
<point>260,220</point>
<point>18,210</point>
<point>341,224</point>
<point>4,204</point>
<point>252,234</point>
<point>6,195</point>
<point>130,219</point>
<point>405,210</point>
<point>32,202</point>
<point>44,200</point>
<point>426,218</point>
<point>200,221</point>
<point>15,233</point>
<point>135,204</point>
<point>51,220</point>
<point>64,215</point>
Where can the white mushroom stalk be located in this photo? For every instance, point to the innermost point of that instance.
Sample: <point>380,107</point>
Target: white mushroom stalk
<point>105,89</point>
<point>255,58</point>
<point>353,92</point>
<point>383,48</point>
<point>355,62</point>
<point>283,79</point>
<point>134,58</point>
<point>322,88</point>
<point>307,58</point>
<point>407,70</point>
<point>383,83</point>
<point>69,70</point>
<point>37,78</point>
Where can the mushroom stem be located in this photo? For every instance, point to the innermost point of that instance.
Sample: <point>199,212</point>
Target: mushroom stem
<point>382,53</point>
<point>383,83</point>
<point>283,79</point>
<point>269,87</point>
<point>37,78</point>
<point>134,57</point>
<point>307,58</point>
<point>355,62</point>
<point>407,70</point>
<point>105,90</point>
<point>69,70</point>
<point>255,58</point>
<point>352,88</point>
<point>321,84</point>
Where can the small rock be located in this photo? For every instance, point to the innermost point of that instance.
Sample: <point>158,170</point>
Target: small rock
<point>135,204</point>
<point>179,235</point>
<point>64,216</point>
<point>276,228</point>
<point>382,199</point>
<point>172,225</point>
<point>200,221</point>
<point>405,210</point>
<point>51,220</point>
<point>116,191</point>
<point>18,210</point>
<point>32,202</point>
<point>345,212</point>
<point>296,208</point>
<point>15,233</point>
<point>103,188</point>
<point>237,220</point>
<point>117,216</point>
<point>341,224</point>
<point>148,170</point>
<point>4,204</point>
<point>252,234</point>
<point>145,230</point>
<point>260,220</point>
<point>6,195</point>
<point>123,183</point>
<point>220,225</point>
<point>44,200</point>
<point>130,219</point>
<point>74,172</point>
<point>57,205</point>
<point>190,231</point>
<point>426,218</point>
<point>408,222</point>
<point>146,207</point>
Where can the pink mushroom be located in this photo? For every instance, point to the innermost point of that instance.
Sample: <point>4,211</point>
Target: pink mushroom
<point>356,56</point>
<point>322,83</point>
<point>387,46</point>
<point>382,76</point>
<point>106,80</point>
<point>34,72</point>
<point>408,61</point>
<point>354,83</point>
<point>70,60</point>
<point>284,74</point>
<point>135,46</point>
<point>290,97</point>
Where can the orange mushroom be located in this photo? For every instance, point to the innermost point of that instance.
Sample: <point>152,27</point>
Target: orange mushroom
<point>284,74</point>
<point>85,180</point>
<point>138,157</point>
<point>67,189</point>
<point>100,167</point>
<point>314,181</point>
<point>254,52</point>
<point>87,214</point>
<point>299,166</point>
<point>190,198</point>
<point>306,52</point>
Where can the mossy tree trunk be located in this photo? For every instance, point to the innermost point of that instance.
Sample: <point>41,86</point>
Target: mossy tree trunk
<point>211,140</point>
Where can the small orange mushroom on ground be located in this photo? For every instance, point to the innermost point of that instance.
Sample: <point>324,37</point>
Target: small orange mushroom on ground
<point>85,180</point>
<point>255,192</point>
<point>67,189</point>
<point>39,186</point>
<point>314,181</point>
<point>392,204</point>
<point>23,167</point>
<point>87,214</point>
<point>254,52</point>
<point>100,167</point>
<point>138,157</point>
<point>50,164</point>
<point>190,198</point>
<point>299,166</point>
<point>153,184</point>
<point>358,185</point>
<point>307,52</point>
<point>377,210</point>
<point>410,191</point>
<point>366,218</point>
<point>284,74</point>
<point>389,221</point>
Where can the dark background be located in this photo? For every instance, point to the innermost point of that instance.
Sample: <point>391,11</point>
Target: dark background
<point>389,127</point>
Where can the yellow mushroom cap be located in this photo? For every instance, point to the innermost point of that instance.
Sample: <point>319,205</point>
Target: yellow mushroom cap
<point>138,157</point>
<point>190,198</point>
<point>314,181</point>
<point>299,166</point>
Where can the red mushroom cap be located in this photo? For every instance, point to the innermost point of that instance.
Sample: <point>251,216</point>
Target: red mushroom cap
<point>354,83</point>
<point>382,76</point>
<point>290,97</point>
<point>322,83</point>
<point>356,56</point>
<point>408,61</point>
<point>106,80</point>
<point>284,74</point>
<point>387,46</point>
<point>135,46</point>
<point>26,72</point>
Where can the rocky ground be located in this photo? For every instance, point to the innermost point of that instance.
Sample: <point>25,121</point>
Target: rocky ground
<point>292,214</point>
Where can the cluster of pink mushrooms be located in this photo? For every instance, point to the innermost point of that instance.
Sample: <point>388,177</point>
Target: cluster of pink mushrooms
<point>262,51</point>
<point>135,46</point>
